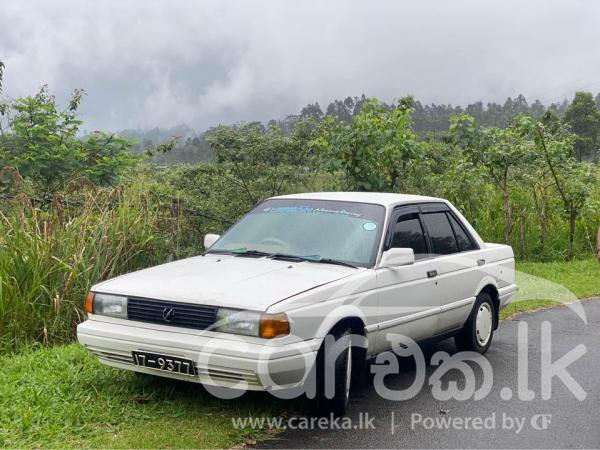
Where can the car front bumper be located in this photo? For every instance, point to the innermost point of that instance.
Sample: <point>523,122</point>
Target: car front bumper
<point>231,363</point>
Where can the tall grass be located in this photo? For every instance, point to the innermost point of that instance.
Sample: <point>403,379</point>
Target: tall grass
<point>50,257</point>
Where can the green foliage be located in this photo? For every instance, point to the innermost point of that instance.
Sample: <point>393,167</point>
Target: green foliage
<point>261,162</point>
<point>529,155</point>
<point>105,157</point>
<point>41,142</point>
<point>63,397</point>
<point>50,258</point>
<point>573,180</point>
<point>583,117</point>
<point>210,193</point>
<point>176,145</point>
<point>162,148</point>
<point>376,150</point>
<point>431,120</point>
<point>501,151</point>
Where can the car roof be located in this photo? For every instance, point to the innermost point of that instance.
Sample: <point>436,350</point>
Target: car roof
<point>380,198</point>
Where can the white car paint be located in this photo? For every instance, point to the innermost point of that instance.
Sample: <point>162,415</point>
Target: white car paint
<point>400,299</point>
<point>224,280</point>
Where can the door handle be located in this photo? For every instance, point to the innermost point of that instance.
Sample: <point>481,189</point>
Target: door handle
<point>432,273</point>
<point>480,262</point>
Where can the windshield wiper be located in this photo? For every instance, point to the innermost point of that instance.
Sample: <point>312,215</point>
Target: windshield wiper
<point>240,252</point>
<point>333,261</point>
<point>290,257</point>
<point>312,258</point>
<point>244,252</point>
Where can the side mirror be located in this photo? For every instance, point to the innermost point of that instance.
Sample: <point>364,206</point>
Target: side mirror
<point>210,239</point>
<point>397,257</point>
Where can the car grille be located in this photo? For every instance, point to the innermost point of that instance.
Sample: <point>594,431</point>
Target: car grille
<point>186,315</point>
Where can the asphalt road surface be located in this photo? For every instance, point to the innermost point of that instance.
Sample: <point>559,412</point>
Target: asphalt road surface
<point>562,421</point>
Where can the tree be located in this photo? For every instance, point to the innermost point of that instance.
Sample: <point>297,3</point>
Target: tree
<point>41,142</point>
<point>261,161</point>
<point>501,151</point>
<point>583,116</point>
<point>573,179</point>
<point>375,150</point>
<point>537,176</point>
<point>312,111</point>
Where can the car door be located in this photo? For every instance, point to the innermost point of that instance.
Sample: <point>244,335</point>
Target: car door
<point>455,259</point>
<point>408,298</point>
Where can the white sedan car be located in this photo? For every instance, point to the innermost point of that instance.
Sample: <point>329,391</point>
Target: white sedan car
<point>299,271</point>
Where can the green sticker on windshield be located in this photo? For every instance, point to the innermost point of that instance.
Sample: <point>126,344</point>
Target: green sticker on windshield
<point>369,226</point>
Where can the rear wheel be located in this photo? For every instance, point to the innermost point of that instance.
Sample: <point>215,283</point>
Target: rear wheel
<point>477,333</point>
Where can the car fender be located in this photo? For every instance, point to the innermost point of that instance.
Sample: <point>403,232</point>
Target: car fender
<point>486,280</point>
<point>336,315</point>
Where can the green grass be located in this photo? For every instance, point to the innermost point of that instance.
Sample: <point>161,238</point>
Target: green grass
<point>63,397</point>
<point>546,284</point>
<point>582,277</point>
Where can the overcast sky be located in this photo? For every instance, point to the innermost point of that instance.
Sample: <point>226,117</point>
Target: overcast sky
<point>147,63</point>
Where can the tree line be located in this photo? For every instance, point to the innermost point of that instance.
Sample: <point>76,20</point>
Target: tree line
<point>429,121</point>
<point>524,177</point>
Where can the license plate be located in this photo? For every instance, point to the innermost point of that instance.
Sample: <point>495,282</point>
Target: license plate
<point>162,362</point>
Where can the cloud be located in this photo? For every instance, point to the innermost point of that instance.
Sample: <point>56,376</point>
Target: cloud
<point>147,63</point>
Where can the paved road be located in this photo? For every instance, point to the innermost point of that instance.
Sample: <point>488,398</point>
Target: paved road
<point>574,423</point>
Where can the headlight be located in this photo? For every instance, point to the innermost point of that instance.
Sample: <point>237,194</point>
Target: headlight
<point>108,305</point>
<point>238,322</point>
<point>251,323</point>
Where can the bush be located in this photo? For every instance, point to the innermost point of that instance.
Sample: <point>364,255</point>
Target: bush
<point>50,258</point>
<point>41,142</point>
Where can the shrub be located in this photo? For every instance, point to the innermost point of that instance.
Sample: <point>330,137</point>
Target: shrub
<point>50,258</point>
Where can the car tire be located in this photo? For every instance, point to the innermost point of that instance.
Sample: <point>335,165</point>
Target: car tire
<point>336,402</point>
<point>476,336</point>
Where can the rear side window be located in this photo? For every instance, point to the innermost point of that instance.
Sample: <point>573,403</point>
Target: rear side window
<point>408,233</point>
<point>440,233</point>
<point>463,240</point>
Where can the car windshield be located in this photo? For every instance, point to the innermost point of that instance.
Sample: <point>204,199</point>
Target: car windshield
<point>317,230</point>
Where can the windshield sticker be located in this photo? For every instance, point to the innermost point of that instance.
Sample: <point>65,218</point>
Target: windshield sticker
<point>369,226</point>
<point>284,209</point>
<point>308,209</point>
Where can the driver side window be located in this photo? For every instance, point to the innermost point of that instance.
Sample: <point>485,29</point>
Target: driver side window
<point>408,233</point>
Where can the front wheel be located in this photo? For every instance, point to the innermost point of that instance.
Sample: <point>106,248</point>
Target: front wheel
<point>478,331</point>
<point>334,373</point>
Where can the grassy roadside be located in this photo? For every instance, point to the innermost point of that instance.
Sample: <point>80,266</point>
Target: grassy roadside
<point>542,284</point>
<point>63,397</point>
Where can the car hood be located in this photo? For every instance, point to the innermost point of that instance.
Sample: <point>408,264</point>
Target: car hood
<point>225,280</point>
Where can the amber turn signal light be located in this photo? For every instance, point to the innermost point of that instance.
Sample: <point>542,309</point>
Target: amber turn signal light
<point>89,303</point>
<point>273,325</point>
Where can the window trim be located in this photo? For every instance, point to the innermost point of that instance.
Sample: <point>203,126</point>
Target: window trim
<point>402,210</point>
<point>394,216</point>
<point>463,228</point>
<point>422,209</point>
